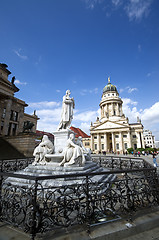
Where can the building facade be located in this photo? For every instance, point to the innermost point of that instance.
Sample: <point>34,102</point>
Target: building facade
<point>12,115</point>
<point>149,139</point>
<point>113,132</point>
<point>16,127</point>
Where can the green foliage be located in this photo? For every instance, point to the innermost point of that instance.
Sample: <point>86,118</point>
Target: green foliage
<point>149,150</point>
<point>140,150</point>
<point>130,150</point>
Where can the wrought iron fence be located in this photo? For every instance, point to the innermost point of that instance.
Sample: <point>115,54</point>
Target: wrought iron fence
<point>13,165</point>
<point>115,162</point>
<point>37,209</point>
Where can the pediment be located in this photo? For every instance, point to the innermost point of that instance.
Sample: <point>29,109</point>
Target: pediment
<point>110,125</point>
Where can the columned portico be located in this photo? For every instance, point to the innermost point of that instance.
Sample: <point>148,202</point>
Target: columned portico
<point>113,131</point>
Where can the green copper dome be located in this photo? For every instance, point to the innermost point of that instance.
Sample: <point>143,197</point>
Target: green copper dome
<point>109,87</point>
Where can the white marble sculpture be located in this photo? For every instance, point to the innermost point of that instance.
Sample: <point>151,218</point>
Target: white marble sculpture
<point>45,147</point>
<point>86,151</point>
<point>67,111</point>
<point>73,153</point>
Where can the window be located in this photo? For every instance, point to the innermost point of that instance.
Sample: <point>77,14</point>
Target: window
<point>14,116</point>
<point>2,125</point>
<point>102,146</point>
<point>125,146</point>
<point>95,146</point>
<point>14,127</point>
<point>114,112</point>
<point>11,115</point>
<point>134,136</point>
<point>135,146</point>
<point>4,113</point>
<point>124,136</point>
<point>116,136</point>
<point>117,146</point>
<point>102,137</point>
<point>95,137</point>
<point>87,144</point>
<point>9,129</point>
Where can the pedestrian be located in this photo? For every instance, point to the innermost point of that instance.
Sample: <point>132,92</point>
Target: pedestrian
<point>154,160</point>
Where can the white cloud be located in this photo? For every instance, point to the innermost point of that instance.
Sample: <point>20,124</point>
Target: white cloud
<point>128,89</point>
<point>149,116</point>
<point>137,9</point>
<point>18,53</point>
<point>87,116</point>
<point>85,127</point>
<point>117,2</point>
<point>91,3</point>
<point>44,104</point>
<point>58,90</point>
<point>19,82</point>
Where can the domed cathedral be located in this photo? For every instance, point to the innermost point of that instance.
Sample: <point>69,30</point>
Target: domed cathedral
<point>113,132</point>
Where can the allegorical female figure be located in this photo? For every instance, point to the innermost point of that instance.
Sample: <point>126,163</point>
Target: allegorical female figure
<point>73,153</point>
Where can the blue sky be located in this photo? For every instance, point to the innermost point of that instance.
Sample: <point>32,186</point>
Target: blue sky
<point>52,46</point>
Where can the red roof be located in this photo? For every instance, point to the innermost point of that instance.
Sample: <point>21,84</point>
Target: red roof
<point>79,132</point>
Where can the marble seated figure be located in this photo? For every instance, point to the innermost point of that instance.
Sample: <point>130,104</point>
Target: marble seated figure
<point>86,151</point>
<point>73,153</point>
<point>45,147</point>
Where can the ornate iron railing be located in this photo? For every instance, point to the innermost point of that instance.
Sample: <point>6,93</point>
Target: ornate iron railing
<point>37,209</point>
<point>13,165</point>
<point>115,162</point>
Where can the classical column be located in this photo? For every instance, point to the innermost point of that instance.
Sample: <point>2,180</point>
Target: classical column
<point>113,142</point>
<point>138,140</point>
<point>142,139</point>
<point>105,141</point>
<point>92,143</point>
<point>117,109</point>
<point>120,142</point>
<point>129,139</point>
<point>98,142</point>
<point>112,109</point>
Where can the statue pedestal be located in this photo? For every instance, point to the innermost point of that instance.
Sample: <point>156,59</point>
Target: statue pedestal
<point>60,141</point>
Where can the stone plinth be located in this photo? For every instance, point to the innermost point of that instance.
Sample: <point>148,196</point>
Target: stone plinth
<point>61,137</point>
<point>53,168</point>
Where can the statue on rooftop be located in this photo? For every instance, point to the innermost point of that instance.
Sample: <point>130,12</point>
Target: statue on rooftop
<point>67,111</point>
